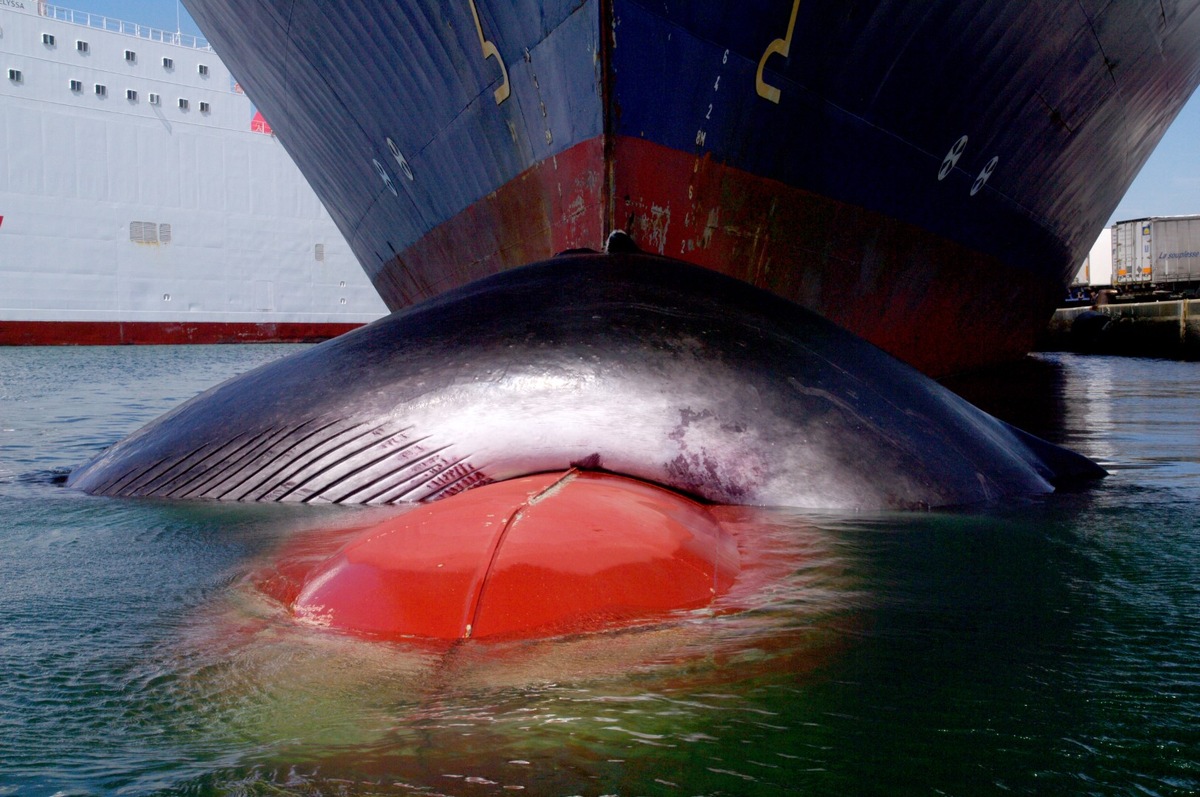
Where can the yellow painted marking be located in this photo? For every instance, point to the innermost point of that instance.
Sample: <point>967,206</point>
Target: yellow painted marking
<point>778,47</point>
<point>490,51</point>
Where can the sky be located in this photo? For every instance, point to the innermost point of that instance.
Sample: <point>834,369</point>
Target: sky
<point>160,14</point>
<point>1168,185</point>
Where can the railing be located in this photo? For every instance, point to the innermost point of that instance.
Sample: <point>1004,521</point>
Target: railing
<point>121,26</point>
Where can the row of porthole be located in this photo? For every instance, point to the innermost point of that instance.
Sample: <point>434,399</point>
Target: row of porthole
<point>83,47</point>
<point>167,297</point>
<point>101,90</point>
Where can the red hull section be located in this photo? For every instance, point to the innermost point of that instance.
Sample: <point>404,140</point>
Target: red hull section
<point>553,206</point>
<point>115,333</point>
<point>897,285</point>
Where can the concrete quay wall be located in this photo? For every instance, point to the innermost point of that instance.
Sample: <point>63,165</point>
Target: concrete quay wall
<point>1144,329</point>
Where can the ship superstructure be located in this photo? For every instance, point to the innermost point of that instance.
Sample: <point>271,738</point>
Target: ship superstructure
<point>144,199</point>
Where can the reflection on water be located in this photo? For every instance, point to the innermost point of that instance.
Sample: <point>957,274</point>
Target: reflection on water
<point>1046,647</point>
<point>473,710</point>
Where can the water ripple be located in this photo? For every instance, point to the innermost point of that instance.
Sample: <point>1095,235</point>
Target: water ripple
<point>1046,647</point>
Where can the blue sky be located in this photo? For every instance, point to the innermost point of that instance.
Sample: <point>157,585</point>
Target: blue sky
<point>155,13</point>
<point>1168,185</point>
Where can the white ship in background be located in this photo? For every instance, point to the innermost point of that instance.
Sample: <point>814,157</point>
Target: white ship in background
<point>144,200</point>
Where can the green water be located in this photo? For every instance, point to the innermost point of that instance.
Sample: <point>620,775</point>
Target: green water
<point>1046,647</point>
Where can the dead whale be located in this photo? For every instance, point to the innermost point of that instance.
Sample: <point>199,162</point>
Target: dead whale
<point>622,362</point>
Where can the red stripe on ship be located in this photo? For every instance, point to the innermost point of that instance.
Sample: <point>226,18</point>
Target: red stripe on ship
<point>931,302</point>
<point>112,333</point>
<point>552,206</point>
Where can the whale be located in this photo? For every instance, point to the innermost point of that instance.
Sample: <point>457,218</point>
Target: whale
<point>617,362</point>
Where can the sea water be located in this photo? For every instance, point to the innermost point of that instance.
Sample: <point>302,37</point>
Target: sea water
<point>1045,646</point>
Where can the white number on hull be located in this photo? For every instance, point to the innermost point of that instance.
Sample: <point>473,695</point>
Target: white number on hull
<point>984,175</point>
<point>383,175</point>
<point>490,51</point>
<point>778,47</point>
<point>951,159</point>
<point>401,161</point>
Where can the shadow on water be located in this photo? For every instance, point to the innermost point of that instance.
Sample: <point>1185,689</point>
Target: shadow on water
<point>1029,393</point>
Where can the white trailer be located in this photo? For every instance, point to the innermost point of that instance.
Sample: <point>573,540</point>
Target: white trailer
<point>1163,251</point>
<point>1097,268</point>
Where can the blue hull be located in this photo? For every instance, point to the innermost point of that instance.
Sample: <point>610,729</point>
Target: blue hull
<point>927,175</point>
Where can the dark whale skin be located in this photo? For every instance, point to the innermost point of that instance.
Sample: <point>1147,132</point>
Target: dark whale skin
<point>628,363</point>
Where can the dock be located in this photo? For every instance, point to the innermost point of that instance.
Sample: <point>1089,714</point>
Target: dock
<point>1143,329</point>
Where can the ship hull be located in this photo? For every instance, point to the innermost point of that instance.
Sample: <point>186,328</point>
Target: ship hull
<point>143,199</point>
<point>927,176</point>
